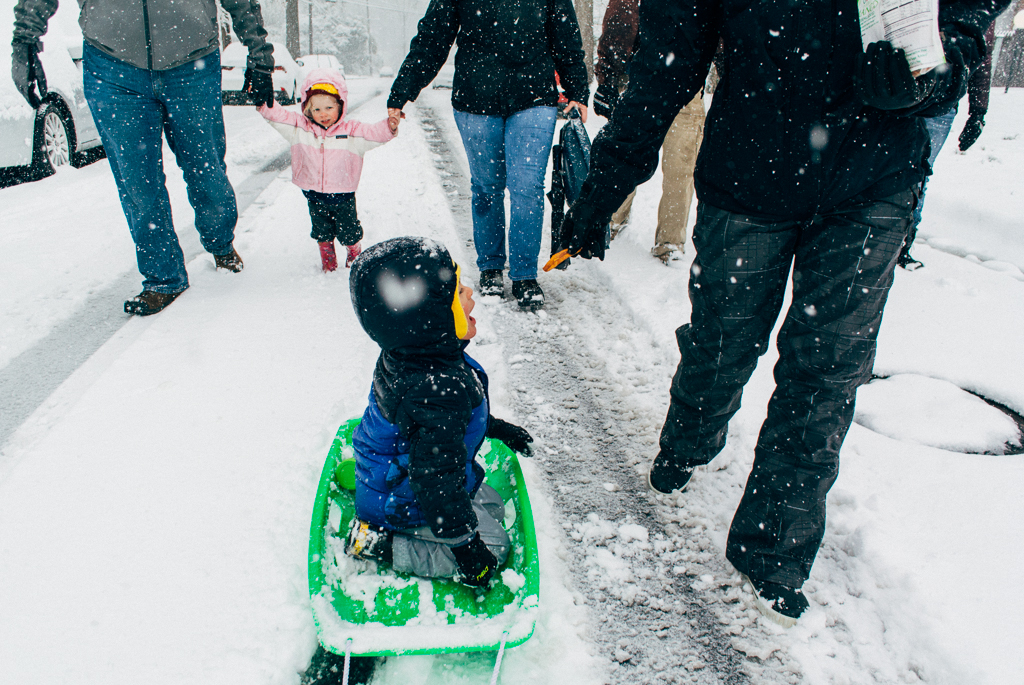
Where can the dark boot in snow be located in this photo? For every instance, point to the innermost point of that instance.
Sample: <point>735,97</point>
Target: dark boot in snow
<point>327,668</point>
<point>230,261</point>
<point>491,282</point>
<point>328,257</point>
<point>907,261</point>
<point>528,294</point>
<point>776,602</point>
<point>353,252</point>
<point>369,542</point>
<point>667,474</point>
<point>149,302</point>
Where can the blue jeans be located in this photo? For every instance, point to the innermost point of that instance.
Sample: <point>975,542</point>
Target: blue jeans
<point>938,130</point>
<point>132,107</point>
<point>510,153</point>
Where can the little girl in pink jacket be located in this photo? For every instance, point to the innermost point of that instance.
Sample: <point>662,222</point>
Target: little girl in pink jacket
<point>327,159</point>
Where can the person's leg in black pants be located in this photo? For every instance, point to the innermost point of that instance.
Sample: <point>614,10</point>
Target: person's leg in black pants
<point>842,273</point>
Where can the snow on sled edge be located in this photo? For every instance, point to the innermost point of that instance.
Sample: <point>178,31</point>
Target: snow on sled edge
<point>380,613</point>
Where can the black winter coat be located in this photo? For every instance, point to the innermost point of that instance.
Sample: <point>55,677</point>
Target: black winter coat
<point>508,52</point>
<point>787,135</point>
<point>402,291</point>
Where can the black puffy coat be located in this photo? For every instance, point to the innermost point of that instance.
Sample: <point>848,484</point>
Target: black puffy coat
<point>402,291</point>
<point>507,55</point>
<point>787,135</point>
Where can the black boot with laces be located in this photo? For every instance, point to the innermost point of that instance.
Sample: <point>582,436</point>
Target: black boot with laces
<point>528,294</point>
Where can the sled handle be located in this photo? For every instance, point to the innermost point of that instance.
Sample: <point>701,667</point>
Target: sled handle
<point>557,259</point>
<point>348,660</point>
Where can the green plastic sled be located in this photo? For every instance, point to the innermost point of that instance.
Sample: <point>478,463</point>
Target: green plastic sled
<point>369,611</point>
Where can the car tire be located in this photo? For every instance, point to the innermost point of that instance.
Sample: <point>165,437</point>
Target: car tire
<point>54,141</point>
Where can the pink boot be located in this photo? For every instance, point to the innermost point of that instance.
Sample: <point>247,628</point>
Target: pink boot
<point>353,252</point>
<point>328,256</point>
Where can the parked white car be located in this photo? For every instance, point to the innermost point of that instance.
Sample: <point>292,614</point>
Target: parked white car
<point>308,63</point>
<point>287,75</point>
<point>34,143</point>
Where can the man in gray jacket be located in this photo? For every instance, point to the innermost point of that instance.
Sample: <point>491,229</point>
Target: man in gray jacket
<point>153,66</point>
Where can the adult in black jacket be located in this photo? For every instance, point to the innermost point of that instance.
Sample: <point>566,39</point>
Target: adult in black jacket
<point>504,96</point>
<point>813,149</point>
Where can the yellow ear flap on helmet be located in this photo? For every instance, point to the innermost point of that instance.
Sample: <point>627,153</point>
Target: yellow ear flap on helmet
<point>461,322</point>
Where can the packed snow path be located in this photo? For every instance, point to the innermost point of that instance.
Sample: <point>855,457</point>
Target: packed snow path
<point>647,613</point>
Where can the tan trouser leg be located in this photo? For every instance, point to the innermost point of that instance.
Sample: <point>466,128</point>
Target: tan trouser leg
<point>678,157</point>
<point>622,213</point>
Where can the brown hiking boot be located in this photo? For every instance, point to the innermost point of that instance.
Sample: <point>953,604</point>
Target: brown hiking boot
<point>230,261</point>
<point>149,302</point>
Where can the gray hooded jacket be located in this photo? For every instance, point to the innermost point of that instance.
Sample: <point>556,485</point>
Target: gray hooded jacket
<point>154,34</point>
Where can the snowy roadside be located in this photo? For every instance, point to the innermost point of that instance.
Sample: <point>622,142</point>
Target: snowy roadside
<point>65,237</point>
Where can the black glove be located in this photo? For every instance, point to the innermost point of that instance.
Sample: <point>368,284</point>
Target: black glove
<point>605,99</point>
<point>516,438</point>
<point>476,563</point>
<point>885,80</point>
<point>584,227</point>
<point>260,85</point>
<point>27,72</point>
<point>972,129</point>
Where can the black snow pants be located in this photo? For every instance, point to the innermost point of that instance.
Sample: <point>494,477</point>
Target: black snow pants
<point>843,262</point>
<point>334,216</point>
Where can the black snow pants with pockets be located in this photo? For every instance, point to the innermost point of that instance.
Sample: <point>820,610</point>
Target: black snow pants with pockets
<point>843,262</point>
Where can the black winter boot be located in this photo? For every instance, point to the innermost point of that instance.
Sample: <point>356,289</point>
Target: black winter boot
<point>528,294</point>
<point>491,282</point>
<point>778,603</point>
<point>369,542</point>
<point>667,474</point>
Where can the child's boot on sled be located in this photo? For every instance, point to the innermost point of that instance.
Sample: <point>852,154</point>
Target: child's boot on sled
<point>328,256</point>
<point>368,542</point>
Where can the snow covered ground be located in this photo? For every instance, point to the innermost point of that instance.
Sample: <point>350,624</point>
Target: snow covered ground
<point>154,510</point>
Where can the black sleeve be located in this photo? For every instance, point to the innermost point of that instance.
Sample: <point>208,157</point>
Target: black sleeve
<point>676,42</point>
<point>427,52</point>
<point>963,24</point>
<point>567,50</point>
<point>434,416</point>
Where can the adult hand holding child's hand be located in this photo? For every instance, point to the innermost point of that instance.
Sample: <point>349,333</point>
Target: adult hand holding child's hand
<point>394,117</point>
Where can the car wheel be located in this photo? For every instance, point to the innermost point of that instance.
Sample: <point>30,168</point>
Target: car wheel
<point>56,141</point>
<point>53,143</point>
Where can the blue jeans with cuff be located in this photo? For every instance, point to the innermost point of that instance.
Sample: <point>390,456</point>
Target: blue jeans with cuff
<point>133,107</point>
<point>508,153</point>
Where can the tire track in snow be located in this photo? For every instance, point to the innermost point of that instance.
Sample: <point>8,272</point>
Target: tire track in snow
<point>650,617</point>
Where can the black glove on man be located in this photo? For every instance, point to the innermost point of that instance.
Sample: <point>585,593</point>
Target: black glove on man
<point>584,227</point>
<point>516,438</point>
<point>972,129</point>
<point>476,563</point>
<point>260,85</point>
<point>605,99</point>
<point>885,79</point>
<point>27,72</point>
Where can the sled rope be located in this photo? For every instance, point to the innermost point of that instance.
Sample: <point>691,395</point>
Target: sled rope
<point>348,659</point>
<point>497,662</point>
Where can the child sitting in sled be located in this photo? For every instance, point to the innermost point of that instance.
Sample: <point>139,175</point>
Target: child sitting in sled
<point>327,159</point>
<point>421,501</point>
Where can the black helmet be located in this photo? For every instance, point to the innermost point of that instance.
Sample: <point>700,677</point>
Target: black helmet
<point>405,293</point>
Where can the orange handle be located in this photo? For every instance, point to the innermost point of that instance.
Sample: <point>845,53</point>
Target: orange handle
<point>556,259</point>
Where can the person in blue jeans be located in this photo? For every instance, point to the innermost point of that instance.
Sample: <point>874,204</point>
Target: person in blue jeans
<point>505,99</point>
<point>153,70</point>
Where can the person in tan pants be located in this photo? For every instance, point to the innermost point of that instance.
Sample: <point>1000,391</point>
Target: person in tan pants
<point>682,142</point>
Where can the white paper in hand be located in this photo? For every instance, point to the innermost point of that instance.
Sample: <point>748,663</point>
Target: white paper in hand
<point>909,24</point>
